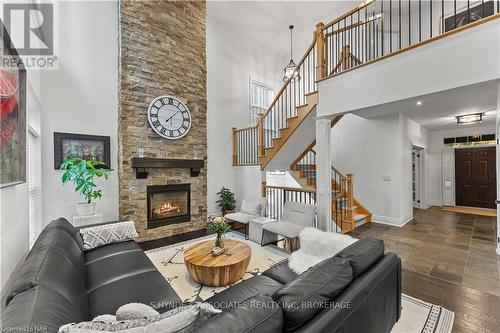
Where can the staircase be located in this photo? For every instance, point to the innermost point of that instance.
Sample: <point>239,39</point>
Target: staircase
<point>365,35</point>
<point>347,212</point>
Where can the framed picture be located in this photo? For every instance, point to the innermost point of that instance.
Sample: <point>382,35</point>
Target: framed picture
<point>12,114</point>
<point>465,15</point>
<point>70,145</point>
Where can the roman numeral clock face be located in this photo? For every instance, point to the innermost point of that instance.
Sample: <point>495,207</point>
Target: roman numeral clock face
<point>169,117</point>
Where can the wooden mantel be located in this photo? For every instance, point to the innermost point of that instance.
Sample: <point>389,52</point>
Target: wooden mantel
<point>142,164</point>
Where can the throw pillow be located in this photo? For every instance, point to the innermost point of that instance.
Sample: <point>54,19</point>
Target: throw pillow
<point>179,320</point>
<point>135,311</point>
<point>105,317</point>
<point>250,208</point>
<point>94,237</point>
<point>316,246</point>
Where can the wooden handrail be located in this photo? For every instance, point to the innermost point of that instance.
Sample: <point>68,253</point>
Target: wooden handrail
<point>287,82</point>
<point>349,13</point>
<point>334,169</point>
<point>244,129</point>
<point>294,189</point>
<point>301,156</point>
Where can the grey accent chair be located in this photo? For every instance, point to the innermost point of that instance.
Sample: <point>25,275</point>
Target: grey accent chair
<point>244,217</point>
<point>296,216</point>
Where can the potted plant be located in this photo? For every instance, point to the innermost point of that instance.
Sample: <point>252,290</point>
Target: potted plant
<point>226,201</point>
<point>82,173</point>
<point>220,227</point>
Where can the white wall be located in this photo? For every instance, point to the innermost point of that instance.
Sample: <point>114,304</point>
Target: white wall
<point>14,211</point>
<point>250,39</point>
<point>377,151</point>
<point>341,93</point>
<point>246,184</point>
<point>81,97</point>
<point>434,179</point>
<point>370,149</point>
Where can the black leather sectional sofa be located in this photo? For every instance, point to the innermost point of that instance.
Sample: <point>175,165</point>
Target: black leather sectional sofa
<point>358,290</point>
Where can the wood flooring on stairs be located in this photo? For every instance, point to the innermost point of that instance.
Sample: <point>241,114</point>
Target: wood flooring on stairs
<point>448,259</point>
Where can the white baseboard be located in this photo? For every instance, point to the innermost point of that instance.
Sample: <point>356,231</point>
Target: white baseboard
<point>394,221</point>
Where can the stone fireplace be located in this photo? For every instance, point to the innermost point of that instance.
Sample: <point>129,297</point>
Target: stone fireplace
<point>159,56</point>
<point>168,204</point>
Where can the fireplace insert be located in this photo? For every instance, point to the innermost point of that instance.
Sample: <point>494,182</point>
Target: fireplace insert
<point>168,204</point>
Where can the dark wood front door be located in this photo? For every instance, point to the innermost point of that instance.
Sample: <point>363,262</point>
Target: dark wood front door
<point>475,177</point>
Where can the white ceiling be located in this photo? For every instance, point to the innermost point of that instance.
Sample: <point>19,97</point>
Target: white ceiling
<point>264,24</point>
<point>438,110</point>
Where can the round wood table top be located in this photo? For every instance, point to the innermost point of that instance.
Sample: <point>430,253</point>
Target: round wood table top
<point>221,270</point>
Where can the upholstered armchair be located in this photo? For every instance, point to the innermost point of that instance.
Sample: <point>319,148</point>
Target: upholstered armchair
<point>249,210</point>
<point>296,216</point>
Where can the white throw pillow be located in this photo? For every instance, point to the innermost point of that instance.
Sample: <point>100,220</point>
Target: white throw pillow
<point>316,246</point>
<point>105,317</point>
<point>135,311</point>
<point>176,320</point>
<point>250,208</point>
<point>94,237</point>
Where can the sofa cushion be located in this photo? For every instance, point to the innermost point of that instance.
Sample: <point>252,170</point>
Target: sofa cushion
<point>363,254</point>
<point>250,208</point>
<point>243,290</point>
<point>240,217</point>
<point>40,309</point>
<point>63,224</point>
<point>149,288</point>
<point>312,290</point>
<point>60,239</point>
<point>117,267</point>
<point>286,229</point>
<point>110,250</point>
<point>51,267</point>
<point>255,314</point>
<point>281,272</point>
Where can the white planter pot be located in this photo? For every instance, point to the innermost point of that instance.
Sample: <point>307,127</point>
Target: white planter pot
<point>84,208</point>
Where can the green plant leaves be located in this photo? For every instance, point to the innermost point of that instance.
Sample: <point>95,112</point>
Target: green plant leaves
<point>81,173</point>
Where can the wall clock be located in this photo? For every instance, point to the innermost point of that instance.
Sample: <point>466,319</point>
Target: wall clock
<point>169,117</point>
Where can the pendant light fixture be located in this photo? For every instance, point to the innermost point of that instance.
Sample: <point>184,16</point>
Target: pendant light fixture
<point>291,69</point>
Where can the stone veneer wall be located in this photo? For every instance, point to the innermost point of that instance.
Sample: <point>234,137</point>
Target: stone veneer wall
<point>162,53</point>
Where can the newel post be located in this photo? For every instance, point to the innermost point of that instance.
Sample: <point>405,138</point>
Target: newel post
<point>350,197</point>
<point>235,152</point>
<point>260,124</point>
<point>320,51</point>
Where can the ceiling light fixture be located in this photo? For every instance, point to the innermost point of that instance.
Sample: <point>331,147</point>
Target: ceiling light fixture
<point>469,119</point>
<point>290,70</point>
<point>419,103</point>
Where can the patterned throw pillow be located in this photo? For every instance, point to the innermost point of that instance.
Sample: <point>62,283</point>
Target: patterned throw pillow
<point>94,237</point>
<point>179,320</point>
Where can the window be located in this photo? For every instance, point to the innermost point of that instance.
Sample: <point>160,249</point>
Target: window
<point>34,185</point>
<point>261,96</point>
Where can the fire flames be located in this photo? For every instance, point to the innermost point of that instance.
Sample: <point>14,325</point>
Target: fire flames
<point>167,209</point>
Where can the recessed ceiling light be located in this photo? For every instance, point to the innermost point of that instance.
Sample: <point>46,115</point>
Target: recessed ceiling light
<point>468,119</point>
<point>419,103</point>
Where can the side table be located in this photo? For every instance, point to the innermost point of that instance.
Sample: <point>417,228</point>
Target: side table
<point>255,231</point>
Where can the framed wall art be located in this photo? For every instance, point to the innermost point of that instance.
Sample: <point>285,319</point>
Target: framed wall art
<point>70,145</point>
<point>12,114</point>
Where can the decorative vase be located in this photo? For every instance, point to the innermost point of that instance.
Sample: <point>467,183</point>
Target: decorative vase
<point>85,208</point>
<point>219,240</point>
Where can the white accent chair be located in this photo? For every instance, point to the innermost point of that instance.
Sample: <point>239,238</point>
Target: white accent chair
<point>296,216</point>
<point>249,210</point>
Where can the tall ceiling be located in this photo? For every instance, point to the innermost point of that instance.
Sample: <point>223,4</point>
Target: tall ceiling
<point>264,24</point>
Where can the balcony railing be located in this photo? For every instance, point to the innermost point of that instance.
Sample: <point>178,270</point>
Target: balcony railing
<point>378,29</point>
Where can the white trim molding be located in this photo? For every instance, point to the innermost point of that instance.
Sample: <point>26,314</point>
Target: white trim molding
<point>394,221</point>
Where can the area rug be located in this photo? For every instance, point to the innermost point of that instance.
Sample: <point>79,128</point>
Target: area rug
<point>417,316</point>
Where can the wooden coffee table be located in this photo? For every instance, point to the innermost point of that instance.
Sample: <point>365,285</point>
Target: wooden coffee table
<point>222,270</point>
